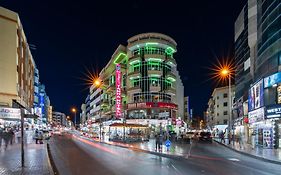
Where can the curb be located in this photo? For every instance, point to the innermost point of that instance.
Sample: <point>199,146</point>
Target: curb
<point>51,161</point>
<point>250,155</point>
<point>141,150</point>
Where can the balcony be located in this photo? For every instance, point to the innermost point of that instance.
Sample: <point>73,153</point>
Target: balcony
<point>171,91</point>
<point>170,76</point>
<point>155,57</point>
<point>134,89</point>
<point>110,88</point>
<point>155,72</point>
<point>154,88</point>
<point>134,74</point>
<point>171,61</point>
<point>105,102</point>
<point>134,59</point>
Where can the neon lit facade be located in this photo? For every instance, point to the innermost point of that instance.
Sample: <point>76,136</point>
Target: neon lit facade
<point>118,106</point>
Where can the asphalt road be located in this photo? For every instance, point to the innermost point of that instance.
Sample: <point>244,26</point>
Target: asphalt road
<point>73,155</point>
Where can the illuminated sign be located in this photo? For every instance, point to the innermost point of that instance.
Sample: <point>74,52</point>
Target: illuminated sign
<point>118,105</point>
<point>271,80</point>
<point>273,111</point>
<point>256,115</point>
<point>152,105</point>
<point>255,100</point>
<point>9,113</point>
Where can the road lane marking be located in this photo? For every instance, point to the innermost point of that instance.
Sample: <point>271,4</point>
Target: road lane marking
<point>233,159</point>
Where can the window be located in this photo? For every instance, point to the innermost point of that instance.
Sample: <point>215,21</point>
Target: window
<point>218,114</point>
<point>218,97</point>
<point>225,121</point>
<point>224,112</point>
<point>225,104</point>
<point>218,106</point>
<point>225,95</point>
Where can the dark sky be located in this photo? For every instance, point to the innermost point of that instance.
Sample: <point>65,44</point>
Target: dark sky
<point>72,36</point>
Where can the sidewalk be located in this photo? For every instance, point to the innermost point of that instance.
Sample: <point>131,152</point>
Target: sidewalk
<point>36,159</point>
<point>272,155</point>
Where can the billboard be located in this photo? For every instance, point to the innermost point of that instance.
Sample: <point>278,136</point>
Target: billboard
<point>256,115</point>
<point>118,105</point>
<point>272,79</point>
<point>255,99</point>
<point>10,113</point>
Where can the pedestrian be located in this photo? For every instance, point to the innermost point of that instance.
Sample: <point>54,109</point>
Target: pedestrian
<point>157,142</point>
<point>40,137</point>
<point>1,137</point>
<point>6,138</point>
<point>36,136</point>
<point>11,135</point>
<point>18,136</point>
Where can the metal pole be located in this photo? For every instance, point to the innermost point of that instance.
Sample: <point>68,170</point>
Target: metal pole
<point>75,119</point>
<point>230,108</point>
<point>22,140</point>
<point>100,115</point>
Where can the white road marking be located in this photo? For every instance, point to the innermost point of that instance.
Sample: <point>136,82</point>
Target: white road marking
<point>234,159</point>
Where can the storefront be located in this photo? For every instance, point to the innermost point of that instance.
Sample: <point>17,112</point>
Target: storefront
<point>273,114</point>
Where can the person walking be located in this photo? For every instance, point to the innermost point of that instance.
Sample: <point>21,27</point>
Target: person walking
<point>6,138</point>
<point>157,142</point>
<point>36,136</point>
<point>1,137</point>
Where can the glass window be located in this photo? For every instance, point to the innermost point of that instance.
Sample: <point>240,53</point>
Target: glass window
<point>225,95</point>
<point>225,104</point>
<point>224,112</point>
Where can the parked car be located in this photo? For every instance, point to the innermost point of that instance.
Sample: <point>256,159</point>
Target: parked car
<point>46,134</point>
<point>205,137</point>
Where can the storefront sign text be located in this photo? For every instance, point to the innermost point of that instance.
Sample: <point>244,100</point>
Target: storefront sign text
<point>273,111</point>
<point>256,115</point>
<point>9,113</point>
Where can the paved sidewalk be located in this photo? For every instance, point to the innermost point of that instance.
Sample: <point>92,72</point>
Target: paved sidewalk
<point>273,155</point>
<point>36,160</point>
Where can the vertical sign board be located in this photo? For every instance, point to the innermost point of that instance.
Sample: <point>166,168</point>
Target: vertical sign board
<point>118,105</point>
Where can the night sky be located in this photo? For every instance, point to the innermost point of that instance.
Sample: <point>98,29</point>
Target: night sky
<point>72,37</point>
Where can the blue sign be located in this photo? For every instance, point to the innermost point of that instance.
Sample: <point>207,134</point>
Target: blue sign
<point>272,79</point>
<point>168,143</point>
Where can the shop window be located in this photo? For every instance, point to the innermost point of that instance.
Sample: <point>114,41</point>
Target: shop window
<point>224,112</point>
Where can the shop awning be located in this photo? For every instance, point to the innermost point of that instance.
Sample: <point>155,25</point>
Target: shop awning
<point>127,125</point>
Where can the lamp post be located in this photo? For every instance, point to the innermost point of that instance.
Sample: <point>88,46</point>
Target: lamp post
<point>74,111</point>
<point>226,72</point>
<point>98,84</point>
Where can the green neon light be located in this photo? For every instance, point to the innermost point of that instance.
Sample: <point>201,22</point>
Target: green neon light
<point>171,63</point>
<point>155,75</point>
<point>171,79</point>
<point>116,61</point>
<point>155,59</point>
<point>170,50</point>
<point>151,43</point>
<point>135,61</point>
<point>131,78</point>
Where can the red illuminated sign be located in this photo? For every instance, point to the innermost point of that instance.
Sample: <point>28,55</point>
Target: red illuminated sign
<point>118,105</point>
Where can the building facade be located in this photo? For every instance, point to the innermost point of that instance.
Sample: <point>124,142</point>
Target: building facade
<point>218,107</point>
<point>58,119</point>
<point>16,62</point>
<point>258,117</point>
<point>140,83</point>
<point>187,109</point>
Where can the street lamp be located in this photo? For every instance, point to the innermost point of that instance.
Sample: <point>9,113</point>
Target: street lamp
<point>74,111</point>
<point>98,84</point>
<point>226,72</point>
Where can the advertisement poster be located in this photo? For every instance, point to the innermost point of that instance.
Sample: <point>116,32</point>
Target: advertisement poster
<point>271,80</point>
<point>255,100</point>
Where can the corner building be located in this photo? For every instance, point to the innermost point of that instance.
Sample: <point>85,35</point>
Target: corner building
<point>151,88</point>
